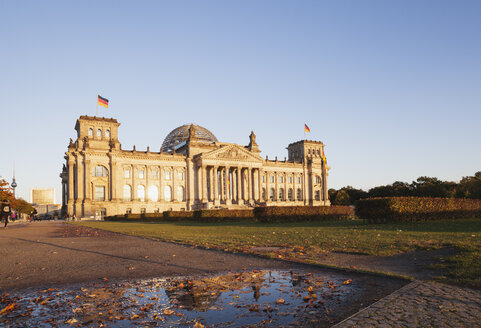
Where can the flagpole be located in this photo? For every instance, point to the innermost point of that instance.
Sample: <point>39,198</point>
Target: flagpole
<point>304,131</point>
<point>97,112</point>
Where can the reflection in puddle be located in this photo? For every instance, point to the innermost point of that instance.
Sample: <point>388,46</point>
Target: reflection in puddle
<point>266,298</point>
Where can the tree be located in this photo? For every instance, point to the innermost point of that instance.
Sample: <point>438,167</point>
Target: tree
<point>342,198</point>
<point>23,206</point>
<point>6,192</point>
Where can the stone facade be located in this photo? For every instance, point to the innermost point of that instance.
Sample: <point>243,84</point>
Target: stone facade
<point>191,171</point>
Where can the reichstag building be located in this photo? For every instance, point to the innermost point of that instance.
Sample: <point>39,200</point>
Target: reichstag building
<point>192,170</point>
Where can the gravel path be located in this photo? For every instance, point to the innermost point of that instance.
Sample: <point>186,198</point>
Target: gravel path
<point>52,253</point>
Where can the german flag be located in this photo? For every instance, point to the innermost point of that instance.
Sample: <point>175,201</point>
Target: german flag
<point>306,128</point>
<point>102,101</point>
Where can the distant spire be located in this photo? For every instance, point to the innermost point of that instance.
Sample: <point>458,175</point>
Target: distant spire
<point>14,183</point>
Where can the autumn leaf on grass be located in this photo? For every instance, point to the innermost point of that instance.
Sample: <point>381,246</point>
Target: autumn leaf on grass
<point>198,325</point>
<point>280,301</point>
<point>8,308</point>
<point>168,312</point>
<point>347,282</point>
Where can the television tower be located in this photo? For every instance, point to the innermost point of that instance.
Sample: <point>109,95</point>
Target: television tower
<point>13,184</point>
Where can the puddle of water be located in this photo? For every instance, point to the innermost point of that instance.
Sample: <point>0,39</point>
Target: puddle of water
<point>250,298</point>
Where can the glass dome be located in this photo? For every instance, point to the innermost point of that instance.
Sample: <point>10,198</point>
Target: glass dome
<point>178,137</point>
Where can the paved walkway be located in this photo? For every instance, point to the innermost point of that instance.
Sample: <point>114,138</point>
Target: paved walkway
<point>422,304</point>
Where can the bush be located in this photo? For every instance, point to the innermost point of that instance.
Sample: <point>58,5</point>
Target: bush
<point>302,213</point>
<point>223,215</point>
<point>402,209</point>
<point>177,215</point>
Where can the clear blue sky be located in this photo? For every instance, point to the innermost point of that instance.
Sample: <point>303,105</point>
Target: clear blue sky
<point>393,88</point>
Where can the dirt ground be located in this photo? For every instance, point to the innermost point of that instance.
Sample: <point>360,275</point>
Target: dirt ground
<point>55,253</point>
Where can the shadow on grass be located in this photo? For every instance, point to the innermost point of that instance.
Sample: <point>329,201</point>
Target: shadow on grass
<point>460,225</point>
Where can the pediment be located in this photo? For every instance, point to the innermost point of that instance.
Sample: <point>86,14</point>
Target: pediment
<point>231,153</point>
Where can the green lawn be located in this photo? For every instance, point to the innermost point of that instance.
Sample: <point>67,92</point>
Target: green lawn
<point>308,239</point>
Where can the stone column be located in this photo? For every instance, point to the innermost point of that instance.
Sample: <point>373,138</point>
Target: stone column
<point>228,186</point>
<point>161,184</point>
<point>134,187</point>
<point>88,174</point>
<point>249,184</point>
<point>113,180</point>
<point>174,193</point>
<point>259,185</point>
<point>276,193</point>
<point>71,179</point>
<point>205,197</point>
<point>268,189</point>
<point>294,187</point>
<point>234,185</point>
<point>215,185</point>
<point>240,196</point>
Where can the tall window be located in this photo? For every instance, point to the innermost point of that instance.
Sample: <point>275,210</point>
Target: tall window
<point>141,174</point>
<point>264,193</point>
<point>318,179</point>
<point>91,132</point>
<point>180,193</point>
<point>100,171</point>
<point>272,194</point>
<point>107,134</point>
<point>99,133</point>
<point>273,179</point>
<point>263,178</point>
<point>290,194</point>
<point>299,194</point>
<point>281,179</point>
<point>127,173</point>
<point>290,179</point>
<point>167,193</point>
<point>180,175</point>
<point>167,175</point>
<point>155,174</point>
<point>127,193</point>
<point>154,193</point>
<point>281,194</point>
<point>141,193</point>
<point>99,193</point>
<point>298,179</point>
<point>317,194</point>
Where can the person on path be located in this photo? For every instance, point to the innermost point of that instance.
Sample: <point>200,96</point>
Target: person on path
<point>6,221</point>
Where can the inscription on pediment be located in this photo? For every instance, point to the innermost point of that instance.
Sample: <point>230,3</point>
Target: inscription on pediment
<point>233,154</point>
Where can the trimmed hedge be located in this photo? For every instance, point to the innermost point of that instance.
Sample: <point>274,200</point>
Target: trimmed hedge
<point>198,215</point>
<point>402,209</point>
<point>302,213</point>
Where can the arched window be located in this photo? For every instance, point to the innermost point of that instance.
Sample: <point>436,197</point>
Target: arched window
<point>141,193</point>
<point>317,194</point>
<point>299,194</point>
<point>180,193</point>
<point>263,193</point>
<point>91,132</point>
<point>154,193</point>
<point>290,194</point>
<point>127,193</point>
<point>99,133</point>
<point>100,171</point>
<point>272,194</point>
<point>281,194</point>
<point>167,193</point>
<point>107,134</point>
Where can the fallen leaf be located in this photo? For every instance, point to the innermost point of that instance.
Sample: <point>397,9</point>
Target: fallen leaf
<point>168,312</point>
<point>280,301</point>
<point>198,325</point>
<point>8,308</point>
<point>71,321</point>
<point>347,282</point>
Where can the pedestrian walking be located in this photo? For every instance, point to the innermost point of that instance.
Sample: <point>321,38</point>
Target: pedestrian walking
<point>6,221</point>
